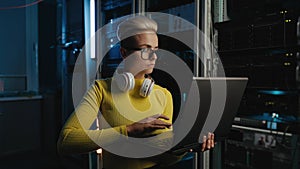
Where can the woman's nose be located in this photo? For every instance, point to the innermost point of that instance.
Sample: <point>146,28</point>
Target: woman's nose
<point>154,56</point>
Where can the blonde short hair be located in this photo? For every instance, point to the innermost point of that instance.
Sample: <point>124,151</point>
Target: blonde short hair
<point>135,25</point>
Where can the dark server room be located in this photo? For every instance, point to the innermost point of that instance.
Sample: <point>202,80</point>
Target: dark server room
<point>150,84</point>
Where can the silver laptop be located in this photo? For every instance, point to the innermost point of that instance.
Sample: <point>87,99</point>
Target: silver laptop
<point>220,118</point>
<point>210,106</point>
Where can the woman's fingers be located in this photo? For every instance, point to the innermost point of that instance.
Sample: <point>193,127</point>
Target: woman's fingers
<point>208,142</point>
<point>163,117</point>
<point>139,128</point>
<point>160,124</point>
<point>204,143</point>
<point>212,140</point>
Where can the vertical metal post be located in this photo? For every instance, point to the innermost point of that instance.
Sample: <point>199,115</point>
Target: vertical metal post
<point>138,6</point>
<point>62,55</point>
<point>203,37</point>
<point>195,161</point>
<point>205,163</point>
<point>197,40</point>
<point>205,53</point>
<point>64,58</point>
<point>100,22</point>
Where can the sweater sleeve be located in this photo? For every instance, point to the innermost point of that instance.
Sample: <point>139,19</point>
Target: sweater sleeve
<point>77,136</point>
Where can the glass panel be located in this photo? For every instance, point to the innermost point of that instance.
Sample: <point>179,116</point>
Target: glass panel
<point>19,54</point>
<point>10,83</point>
<point>180,24</point>
<point>112,9</point>
<point>108,11</point>
<point>183,9</point>
<point>181,21</point>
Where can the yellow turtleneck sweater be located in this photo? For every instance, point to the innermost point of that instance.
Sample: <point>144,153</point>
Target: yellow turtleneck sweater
<point>118,109</point>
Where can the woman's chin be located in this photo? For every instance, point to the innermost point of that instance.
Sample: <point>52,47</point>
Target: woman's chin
<point>148,71</point>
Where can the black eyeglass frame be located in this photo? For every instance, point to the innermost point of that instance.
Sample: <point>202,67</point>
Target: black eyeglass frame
<point>149,51</point>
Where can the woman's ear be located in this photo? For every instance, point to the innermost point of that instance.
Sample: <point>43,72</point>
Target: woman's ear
<point>123,52</point>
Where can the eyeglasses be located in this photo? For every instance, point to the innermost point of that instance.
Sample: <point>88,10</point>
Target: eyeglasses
<point>146,53</point>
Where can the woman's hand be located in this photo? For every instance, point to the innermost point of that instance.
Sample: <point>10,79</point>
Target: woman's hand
<point>208,142</point>
<point>137,129</point>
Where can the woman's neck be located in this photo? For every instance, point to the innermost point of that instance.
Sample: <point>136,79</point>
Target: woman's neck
<point>139,76</point>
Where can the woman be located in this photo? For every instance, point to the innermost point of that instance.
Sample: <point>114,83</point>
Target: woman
<point>126,101</point>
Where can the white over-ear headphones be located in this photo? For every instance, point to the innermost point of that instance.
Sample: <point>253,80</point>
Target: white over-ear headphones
<point>126,82</point>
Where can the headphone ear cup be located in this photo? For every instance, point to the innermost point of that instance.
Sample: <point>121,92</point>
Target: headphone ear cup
<point>125,81</point>
<point>146,87</point>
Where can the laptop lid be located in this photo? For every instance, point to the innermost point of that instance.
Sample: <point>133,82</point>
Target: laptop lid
<point>220,121</point>
<point>219,99</point>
